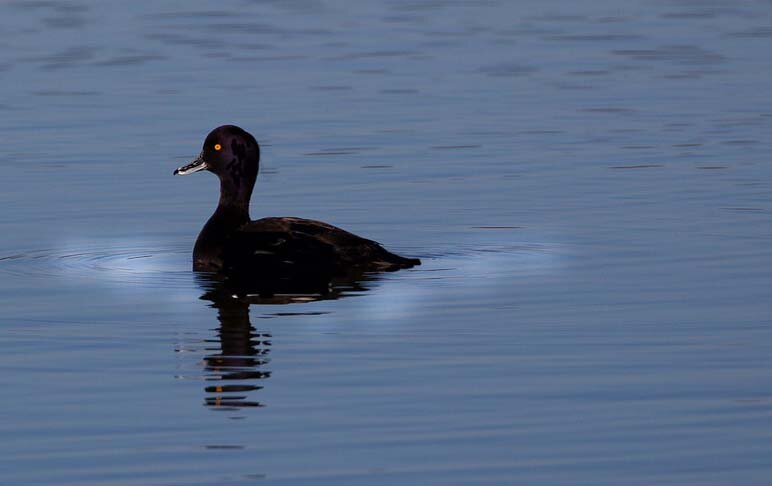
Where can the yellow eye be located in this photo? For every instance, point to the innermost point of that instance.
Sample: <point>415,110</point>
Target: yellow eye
<point>217,146</point>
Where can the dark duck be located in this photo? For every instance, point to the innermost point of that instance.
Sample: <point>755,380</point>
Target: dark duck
<point>285,247</point>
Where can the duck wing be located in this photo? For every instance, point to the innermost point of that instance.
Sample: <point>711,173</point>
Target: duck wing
<point>309,246</point>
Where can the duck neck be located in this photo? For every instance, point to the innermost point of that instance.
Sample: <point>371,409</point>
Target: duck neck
<point>232,211</point>
<point>208,250</point>
<point>234,203</point>
<point>229,217</point>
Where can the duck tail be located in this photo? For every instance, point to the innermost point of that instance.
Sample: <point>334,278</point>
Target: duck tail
<point>391,261</point>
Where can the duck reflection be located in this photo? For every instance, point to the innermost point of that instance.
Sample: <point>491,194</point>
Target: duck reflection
<point>237,359</point>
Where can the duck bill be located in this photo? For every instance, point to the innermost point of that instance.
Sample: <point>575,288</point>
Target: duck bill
<point>194,166</point>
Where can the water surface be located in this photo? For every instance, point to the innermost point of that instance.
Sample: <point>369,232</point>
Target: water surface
<point>587,185</point>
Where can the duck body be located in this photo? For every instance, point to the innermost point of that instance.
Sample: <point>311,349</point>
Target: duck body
<point>271,248</point>
<point>289,246</point>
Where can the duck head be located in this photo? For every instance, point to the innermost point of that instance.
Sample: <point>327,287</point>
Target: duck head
<point>233,155</point>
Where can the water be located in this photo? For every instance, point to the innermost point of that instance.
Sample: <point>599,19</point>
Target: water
<point>588,186</point>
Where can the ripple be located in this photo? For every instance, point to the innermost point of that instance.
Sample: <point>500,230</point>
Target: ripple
<point>472,250</point>
<point>487,261</point>
<point>151,266</point>
<point>676,54</point>
<point>507,70</point>
<point>594,37</point>
<point>638,166</point>
<point>754,33</point>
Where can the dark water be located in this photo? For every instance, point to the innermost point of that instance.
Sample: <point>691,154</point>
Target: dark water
<point>588,184</point>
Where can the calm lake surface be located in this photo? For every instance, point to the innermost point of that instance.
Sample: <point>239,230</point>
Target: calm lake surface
<point>589,185</point>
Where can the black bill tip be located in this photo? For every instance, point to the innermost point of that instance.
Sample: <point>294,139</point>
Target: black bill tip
<point>195,166</point>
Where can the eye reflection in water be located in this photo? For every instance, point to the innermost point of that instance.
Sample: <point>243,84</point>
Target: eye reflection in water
<point>238,355</point>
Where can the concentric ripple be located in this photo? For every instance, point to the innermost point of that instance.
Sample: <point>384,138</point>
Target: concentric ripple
<point>154,266</point>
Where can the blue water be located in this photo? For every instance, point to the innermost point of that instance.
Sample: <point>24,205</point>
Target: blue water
<point>588,186</point>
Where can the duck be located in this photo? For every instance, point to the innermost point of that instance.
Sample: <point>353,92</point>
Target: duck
<point>275,247</point>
